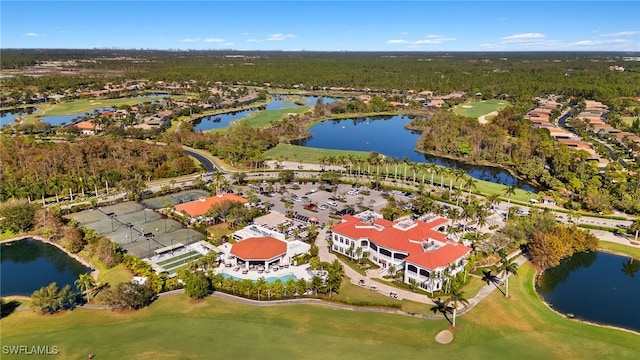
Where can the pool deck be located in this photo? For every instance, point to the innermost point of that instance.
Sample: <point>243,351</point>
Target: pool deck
<point>300,272</point>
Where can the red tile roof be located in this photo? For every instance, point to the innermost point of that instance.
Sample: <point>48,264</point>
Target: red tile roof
<point>86,125</point>
<point>406,237</point>
<point>259,248</point>
<point>440,257</point>
<point>202,205</point>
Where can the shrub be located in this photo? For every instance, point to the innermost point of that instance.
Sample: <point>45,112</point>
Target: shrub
<point>51,299</point>
<point>128,295</point>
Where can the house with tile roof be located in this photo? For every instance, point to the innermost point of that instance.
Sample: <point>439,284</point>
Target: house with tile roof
<point>87,127</point>
<point>203,204</point>
<point>425,255</point>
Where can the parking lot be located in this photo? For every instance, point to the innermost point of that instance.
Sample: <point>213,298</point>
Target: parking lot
<point>310,201</point>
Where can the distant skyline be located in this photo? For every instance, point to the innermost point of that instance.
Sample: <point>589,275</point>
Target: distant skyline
<point>323,25</point>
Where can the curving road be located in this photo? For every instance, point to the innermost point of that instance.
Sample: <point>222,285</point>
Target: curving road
<point>205,161</point>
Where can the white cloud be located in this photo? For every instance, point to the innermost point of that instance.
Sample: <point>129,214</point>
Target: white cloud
<point>254,40</point>
<point>522,38</point>
<point>213,40</point>
<point>621,33</point>
<point>433,39</point>
<point>280,37</point>
<point>397,41</point>
<point>32,34</point>
<point>190,40</point>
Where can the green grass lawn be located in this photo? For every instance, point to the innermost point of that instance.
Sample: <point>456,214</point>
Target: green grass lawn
<point>475,109</point>
<point>7,234</point>
<point>619,248</point>
<point>86,105</point>
<point>263,118</point>
<point>305,154</point>
<point>628,120</point>
<point>176,327</point>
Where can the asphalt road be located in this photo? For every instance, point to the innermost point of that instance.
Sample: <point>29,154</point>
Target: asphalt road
<point>208,164</point>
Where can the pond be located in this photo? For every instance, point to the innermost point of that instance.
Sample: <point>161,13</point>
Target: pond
<point>387,135</point>
<point>278,102</point>
<point>597,287</point>
<point>8,117</point>
<point>59,120</point>
<point>28,264</point>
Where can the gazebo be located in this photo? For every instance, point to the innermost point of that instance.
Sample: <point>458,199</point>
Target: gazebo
<point>259,251</point>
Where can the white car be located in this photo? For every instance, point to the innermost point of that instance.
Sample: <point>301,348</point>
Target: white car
<point>323,207</point>
<point>332,203</point>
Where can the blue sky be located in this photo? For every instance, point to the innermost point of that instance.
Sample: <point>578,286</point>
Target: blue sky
<point>324,25</point>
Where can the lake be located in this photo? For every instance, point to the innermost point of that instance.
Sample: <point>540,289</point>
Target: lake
<point>8,117</point>
<point>278,102</point>
<point>57,120</point>
<point>597,287</point>
<point>28,264</point>
<point>388,136</point>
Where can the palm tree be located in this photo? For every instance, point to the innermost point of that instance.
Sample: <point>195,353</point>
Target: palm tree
<point>509,190</point>
<point>456,296</point>
<point>469,184</point>
<point>630,268</point>
<point>635,226</point>
<point>442,307</point>
<point>509,267</point>
<point>85,283</point>
<point>489,278</point>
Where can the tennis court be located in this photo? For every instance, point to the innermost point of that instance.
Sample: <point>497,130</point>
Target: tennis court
<point>138,230</point>
<point>174,199</point>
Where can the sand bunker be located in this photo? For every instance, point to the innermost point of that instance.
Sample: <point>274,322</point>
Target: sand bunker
<point>444,337</point>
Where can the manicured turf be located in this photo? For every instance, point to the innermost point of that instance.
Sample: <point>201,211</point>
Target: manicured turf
<point>7,234</point>
<point>85,105</point>
<point>308,154</point>
<point>265,117</point>
<point>619,248</point>
<point>176,327</point>
<point>479,108</point>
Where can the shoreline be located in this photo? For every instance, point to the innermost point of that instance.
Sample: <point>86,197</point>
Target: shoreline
<point>538,274</point>
<point>94,269</point>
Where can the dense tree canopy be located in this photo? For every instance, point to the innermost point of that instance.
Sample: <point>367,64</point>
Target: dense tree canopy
<point>37,169</point>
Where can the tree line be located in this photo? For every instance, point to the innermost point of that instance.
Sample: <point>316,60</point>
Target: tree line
<point>43,169</point>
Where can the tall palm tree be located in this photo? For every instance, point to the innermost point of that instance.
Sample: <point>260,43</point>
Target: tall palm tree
<point>84,283</point>
<point>635,226</point>
<point>490,278</point>
<point>469,184</point>
<point>509,190</point>
<point>442,307</point>
<point>630,268</point>
<point>509,267</point>
<point>455,297</point>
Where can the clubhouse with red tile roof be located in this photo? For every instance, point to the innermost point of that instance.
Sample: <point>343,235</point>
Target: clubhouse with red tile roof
<point>259,251</point>
<point>425,255</point>
<point>203,204</point>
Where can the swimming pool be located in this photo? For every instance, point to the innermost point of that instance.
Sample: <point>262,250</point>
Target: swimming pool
<point>271,279</point>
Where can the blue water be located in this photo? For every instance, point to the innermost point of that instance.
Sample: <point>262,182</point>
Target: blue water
<point>278,102</point>
<point>271,279</point>
<point>219,120</point>
<point>58,120</point>
<point>597,287</point>
<point>387,135</point>
<point>27,265</point>
<point>8,117</point>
